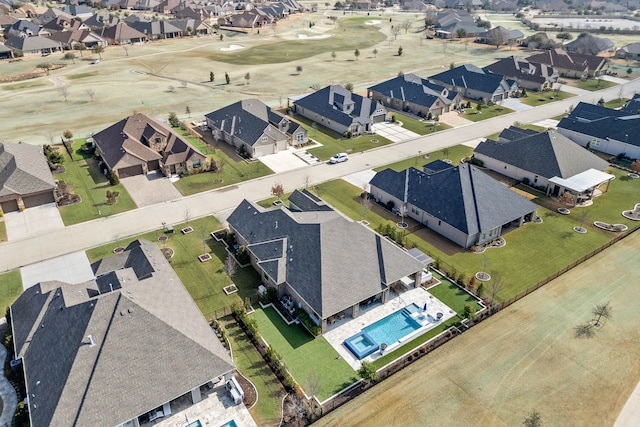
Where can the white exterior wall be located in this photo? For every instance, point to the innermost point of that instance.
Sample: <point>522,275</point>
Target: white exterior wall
<point>331,124</point>
<point>607,146</point>
<point>511,171</point>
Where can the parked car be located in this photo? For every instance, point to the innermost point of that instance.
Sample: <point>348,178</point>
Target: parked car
<point>339,158</point>
<point>95,61</point>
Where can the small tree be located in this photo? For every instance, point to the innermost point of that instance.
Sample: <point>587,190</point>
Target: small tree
<point>211,76</point>
<point>583,331</point>
<point>400,51</point>
<point>333,56</point>
<point>229,266</point>
<point>80,47</point>
<point>277,190</point>
<point>356,53</point>
<point>97,49</point>
<point>187,110</point>
<point>375,53</point>
<point>173,120</point>
<point>348,86</point>
<point>247,77</point>
<point>405,25</point>
<point>90,93</point>
<point>461,33</point>
<point>70,56</point>
<point>533,419</point>
<point>46,66</point>
<point>395,31</point>
<point>64,91</point>
<point>67,134</point>
<point>368,372</point>
<point>599,312</point>
<point>629,71</point>
<point>227,78</point>
<point>298,69</point>
<point>601,101</point>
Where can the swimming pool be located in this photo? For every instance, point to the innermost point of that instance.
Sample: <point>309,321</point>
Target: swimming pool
<point>231,423</point>
<point>387,330</point>
<point>196,423</point>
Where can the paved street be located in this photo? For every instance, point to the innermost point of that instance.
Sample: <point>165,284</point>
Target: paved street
<point>82,236</point>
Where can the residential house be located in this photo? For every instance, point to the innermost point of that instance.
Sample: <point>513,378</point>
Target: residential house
<point>6,21</point>
<point>138,144</point>
<point>22,28</point>
<point>25,178</point>
<point>5,52</point>
<point>341,110</point>
<point>117,350</point>
<point>121,33</point>
<point>413,94</point>
<point>630,51</point>
<point>501,35</point>
<point>253,18</point>
<point>589,44</point>
<point>575,65</point>
<point>69,39</point>
<point>475,83</point>
<point>633,105</point>
<point>614,132</point>
<point>157,29</point>
<point>461,203</point>
<point>253,127</point>
<point>504,6</point>
<point>327,263</point>
<point>51,14</point>
<point>64,23</point>
<point>79,10</point>
<point>99,21</point>
<point>451,22</point>
<point>527,74</point>
<point>540,41</point>
<point>552,6</point>
<point>192,26</point>
<point>547,160</point>
<point>30,46</point>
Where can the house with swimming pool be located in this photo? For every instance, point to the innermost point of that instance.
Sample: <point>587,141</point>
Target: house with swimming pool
<point>323,262</point>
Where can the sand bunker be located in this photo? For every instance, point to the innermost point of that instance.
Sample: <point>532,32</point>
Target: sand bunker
<point>232,47</point>
<point>376,22</point>
<point>306,37</point>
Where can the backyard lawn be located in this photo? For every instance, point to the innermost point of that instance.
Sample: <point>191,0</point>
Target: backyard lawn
<point>591,84</point>
<point>494,136</point>
<point>10,290</point>
<point>203,280</point>
<point>333,143</point>
<point>486,113</point>
<point>421,127</point>
<point>455,154</point>
<point>616,103</point>
<point>304,356</point>
<point>267,410</point>
<point>538,98</point>
<point>233,170</point>
<point>86,180</point>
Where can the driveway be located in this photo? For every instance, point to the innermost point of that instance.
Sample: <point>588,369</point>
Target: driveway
<point>394,132</point>
<point>71,268</point>
<point>361,179</point>
<point>453,119</point>
<point>149,189</point>
<point>515,104</point>
<point>284,161</point>
<point>33,221</point>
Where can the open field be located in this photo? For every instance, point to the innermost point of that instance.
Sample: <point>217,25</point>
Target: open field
<point>525,358</point>
<point>123,80</point>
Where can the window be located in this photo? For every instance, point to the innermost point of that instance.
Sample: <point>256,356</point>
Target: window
<point>535,180</point>
<point>300,136</point>
<point>439,223</point>
<point>264,139</point>
<point>415,210</point>
<point>196,163</point>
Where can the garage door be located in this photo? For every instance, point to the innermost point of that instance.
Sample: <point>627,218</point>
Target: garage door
<point>37,199</point>
<point>263,150</point>
<point>130,171</point>
<point>9,206</point>
<point>153,165</point>
<point>379,118</point>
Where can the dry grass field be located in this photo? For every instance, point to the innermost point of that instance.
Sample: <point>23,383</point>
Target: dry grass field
<point>525,358</point>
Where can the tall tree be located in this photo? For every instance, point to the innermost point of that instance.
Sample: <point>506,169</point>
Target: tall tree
<point>356,53</point>
<point>227,78</point>
<point>405,25</point>
<point>70,56</point>
<point>497,38</point>
<point>97,49</point>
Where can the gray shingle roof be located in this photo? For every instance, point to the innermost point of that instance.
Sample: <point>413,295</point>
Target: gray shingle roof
<point>470,76</point>
<point>23,170</point>
<point>464,197</point>
<point>330,261</point>
<point>605,123</point>
<point>590,44</point>
<point>329,102</point>
<point>546,154</point>
<point>409,87</point>
<point>151,345</point>
<point>522,69</point>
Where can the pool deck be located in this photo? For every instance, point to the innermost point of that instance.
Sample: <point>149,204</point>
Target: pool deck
<point>347,327</point>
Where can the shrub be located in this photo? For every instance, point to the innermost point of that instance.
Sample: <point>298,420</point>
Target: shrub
<point>461,279</point>
<point>308,323</point>
<point>475,161</point>
<point>390,205</point>
<point>525,181</point>
<point>113,178</point>
<point>270,295</point>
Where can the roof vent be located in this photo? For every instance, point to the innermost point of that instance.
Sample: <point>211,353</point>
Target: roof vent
<point>91,343</point>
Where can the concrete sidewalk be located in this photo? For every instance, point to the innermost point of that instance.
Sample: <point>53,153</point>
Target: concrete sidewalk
<point>100,231</point>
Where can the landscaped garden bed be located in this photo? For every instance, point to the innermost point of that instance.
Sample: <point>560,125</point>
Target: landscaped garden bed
<point>205,257</point>
<point>230,289</point>
<point>187,230</point>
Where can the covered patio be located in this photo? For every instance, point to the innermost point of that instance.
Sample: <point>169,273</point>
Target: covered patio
<point>580,187</point>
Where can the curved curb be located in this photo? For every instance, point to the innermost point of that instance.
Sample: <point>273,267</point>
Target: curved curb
<point>8,394</point>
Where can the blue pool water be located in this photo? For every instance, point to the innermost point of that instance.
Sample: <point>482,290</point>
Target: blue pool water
<point>387,330</point>
<point>231,423</point>
<point>196,423</point>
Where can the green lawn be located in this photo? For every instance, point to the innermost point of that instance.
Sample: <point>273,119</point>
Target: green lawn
<point>486,113</point>
<point>532,253</point>
<point>83,175</point>
<point>418,126</point>
<point>616,103</point>
<point>305,356</point>
<point>452,295</point>
<point>591,84</point>
<point>267,411</point>
<point>203,280</point>
<point>494,136</point>
<point>3,232</point>
<point>538,98</point>
<point>333,143</point>
<point>10,289</point>
<point>455,154</point>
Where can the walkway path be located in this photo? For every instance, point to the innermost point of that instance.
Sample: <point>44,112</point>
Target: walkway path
<point>94,233</point>
<point>7,394</point>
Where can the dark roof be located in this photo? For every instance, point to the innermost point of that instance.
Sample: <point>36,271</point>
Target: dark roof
<point>560,58</point>
<point>23,170</point>
<point>155,27</point>
<point>523,70</point>
<point>329,260</point>
<point>547,154</point>
<point>605,123</point>
<point>462,196</point>
<point>126,143</point>
<point>633,48</point>
<point>150,345</point>
<point>513,132</point>
<point>411,88</point>
<point>508,34</point>
<point>27,44</point>
<point>633,105</point>
<point>470,76</point>
<point>248,120</point>
<point>590,44</point>
<point>333,101</point>
<point>121,31</point>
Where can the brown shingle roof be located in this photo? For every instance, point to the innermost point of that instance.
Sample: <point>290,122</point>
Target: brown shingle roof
<point>23,170</point>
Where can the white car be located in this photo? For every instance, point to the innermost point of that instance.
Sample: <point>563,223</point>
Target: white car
<point>339,158</point>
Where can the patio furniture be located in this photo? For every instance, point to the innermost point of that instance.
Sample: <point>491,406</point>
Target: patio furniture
<point>341,315</point>
<point>331,319</point>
